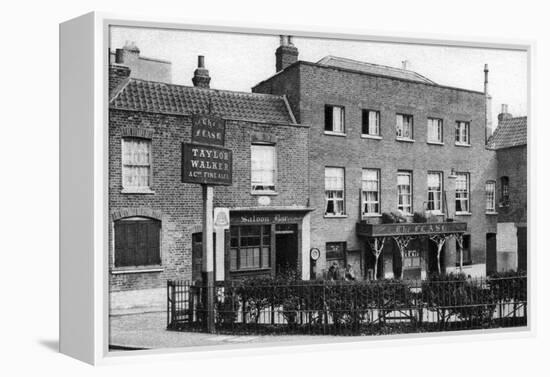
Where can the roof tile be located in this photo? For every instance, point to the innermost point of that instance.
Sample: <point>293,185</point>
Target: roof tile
<point>158,97</point>
<point>510,132</point>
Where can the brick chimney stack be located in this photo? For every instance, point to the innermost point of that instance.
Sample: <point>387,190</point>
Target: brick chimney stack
<point>127,54</point>
<point>286,54</point>
<point>201,78</point>
<point>504,114</point>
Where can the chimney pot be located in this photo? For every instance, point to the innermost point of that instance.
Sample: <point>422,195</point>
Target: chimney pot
<point>504,114</point>
<point>405,64</point>
<point>201,78</point>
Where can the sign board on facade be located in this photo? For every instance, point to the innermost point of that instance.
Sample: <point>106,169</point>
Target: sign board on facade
<point>267,218</point>
<point>381,230</point>
<point>221,218</point>
<point>207,129</point>
<point>206,164</point>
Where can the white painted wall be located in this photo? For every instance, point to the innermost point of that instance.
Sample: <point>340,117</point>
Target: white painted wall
<point>507,247</point>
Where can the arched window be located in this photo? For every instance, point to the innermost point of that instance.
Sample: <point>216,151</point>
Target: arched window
<point>137,242</point>
<point>504,191</point>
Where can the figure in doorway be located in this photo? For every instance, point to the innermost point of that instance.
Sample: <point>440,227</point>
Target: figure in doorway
<point>350,273</point>
<point>334,272</point>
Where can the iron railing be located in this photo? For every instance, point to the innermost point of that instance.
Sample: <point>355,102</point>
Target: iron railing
<point>350,308</point>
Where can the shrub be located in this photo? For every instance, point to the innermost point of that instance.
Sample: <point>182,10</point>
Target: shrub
<point>454,294</point>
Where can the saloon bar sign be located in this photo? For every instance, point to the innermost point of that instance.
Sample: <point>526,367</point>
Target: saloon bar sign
<point>203,160</point>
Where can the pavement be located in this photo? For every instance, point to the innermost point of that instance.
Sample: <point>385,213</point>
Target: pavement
<point>148,331</point>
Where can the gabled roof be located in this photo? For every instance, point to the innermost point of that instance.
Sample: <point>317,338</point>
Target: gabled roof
<point>158,97</point>
<point>375,69</point>
<point>511,132</point>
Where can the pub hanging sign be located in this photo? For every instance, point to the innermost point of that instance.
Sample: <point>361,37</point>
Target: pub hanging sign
<point>204,160</point>
<point>206,164</point>
<point>208,129</point>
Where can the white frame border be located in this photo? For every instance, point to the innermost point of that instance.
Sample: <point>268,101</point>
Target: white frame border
<point>101,354</point>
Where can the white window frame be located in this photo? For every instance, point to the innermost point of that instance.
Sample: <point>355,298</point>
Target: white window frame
<point>401,207</point>
<point>400,129</point>
<point>462,195</point>
<point>435,192</point>
<point>490,196</point>
<point>127,167</point>
<point>267,187</point>
<point>438,123</point>
<point>335,193</point>
<point>371,115</point>
<point>462,133</point>
<point>364,193</point>
<point>335,121</point>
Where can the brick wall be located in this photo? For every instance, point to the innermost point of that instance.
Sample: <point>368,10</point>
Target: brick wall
<point>178,205</point>
<point>317,86</point>
<point>512,163</point>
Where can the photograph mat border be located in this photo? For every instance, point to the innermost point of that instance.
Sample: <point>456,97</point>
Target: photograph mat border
<point>103,22</point>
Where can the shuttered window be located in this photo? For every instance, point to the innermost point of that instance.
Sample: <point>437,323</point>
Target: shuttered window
<point>137,243</point>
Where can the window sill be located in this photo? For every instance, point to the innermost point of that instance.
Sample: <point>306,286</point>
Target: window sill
<point>374,137</point>
<point>492,213</point>
<point>370,215</point>
<point>264,193</point>
<point>435,143</point>
<point>463,213</point>
<point>332,133</point>
<point>136,191</point>
<point>136,270</point>
<point>435,213</point>
<point>462,145</point>
<point>404,139</point>
<point>335,216</point>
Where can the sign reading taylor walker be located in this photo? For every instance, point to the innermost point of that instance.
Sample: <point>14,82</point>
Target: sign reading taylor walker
<point>206,164</point>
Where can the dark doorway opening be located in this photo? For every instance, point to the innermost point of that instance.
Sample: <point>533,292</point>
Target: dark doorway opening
<point>286,248</point>
<point>491,252</point>
<point>522,248</point>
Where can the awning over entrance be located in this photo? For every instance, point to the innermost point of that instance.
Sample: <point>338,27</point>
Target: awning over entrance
<point>403,233</point>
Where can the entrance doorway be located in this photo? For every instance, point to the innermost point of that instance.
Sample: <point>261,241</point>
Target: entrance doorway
<point>286,248</point>
<point>491,252</point>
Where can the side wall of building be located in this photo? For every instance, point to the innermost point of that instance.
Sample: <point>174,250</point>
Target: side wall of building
<point>512,216</point>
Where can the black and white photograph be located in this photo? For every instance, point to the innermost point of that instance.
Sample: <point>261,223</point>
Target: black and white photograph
<point>268,188</point>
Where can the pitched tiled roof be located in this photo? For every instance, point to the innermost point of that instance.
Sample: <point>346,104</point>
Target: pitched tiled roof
<point>375,69</point>
<point>157,97</point>
<point>510,132</point>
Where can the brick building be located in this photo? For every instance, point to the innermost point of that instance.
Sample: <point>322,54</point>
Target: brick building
<point>156,220</point>
<point>510,143</point>
<point>383,140</point>
<point>141,67</point>
<point>375,167</point>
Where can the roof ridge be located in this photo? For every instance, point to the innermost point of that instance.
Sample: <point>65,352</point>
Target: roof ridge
<point>375,64</point>
<point>209,89</point>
